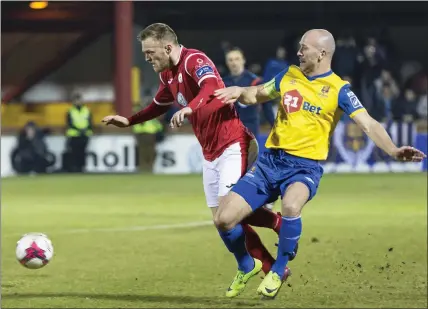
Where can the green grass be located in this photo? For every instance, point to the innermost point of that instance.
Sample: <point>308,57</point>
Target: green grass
<point>364,244</point>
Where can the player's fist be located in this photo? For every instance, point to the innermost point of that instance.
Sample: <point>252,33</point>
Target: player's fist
<point>116,120</point>
<point>229,95</point>
<point>408,154</point>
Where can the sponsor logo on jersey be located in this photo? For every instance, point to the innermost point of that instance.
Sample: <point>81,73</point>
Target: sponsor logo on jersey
<point>311,108</point>
<point>354,100</point>
<point>204,70</point>
<point>181,99</point>
<point>293,102</point>
<point>180,78</point>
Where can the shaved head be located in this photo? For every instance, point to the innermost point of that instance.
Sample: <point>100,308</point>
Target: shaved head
<point>321,39</point>
<point>316,51</point>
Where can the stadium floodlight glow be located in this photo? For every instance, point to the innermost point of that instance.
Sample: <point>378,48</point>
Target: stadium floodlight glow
<point>38,5</point>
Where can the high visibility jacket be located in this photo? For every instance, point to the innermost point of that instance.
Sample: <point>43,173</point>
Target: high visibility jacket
<point>80,119</point>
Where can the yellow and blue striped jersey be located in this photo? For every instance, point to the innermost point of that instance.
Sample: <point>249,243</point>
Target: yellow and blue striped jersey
<point>310,109</point>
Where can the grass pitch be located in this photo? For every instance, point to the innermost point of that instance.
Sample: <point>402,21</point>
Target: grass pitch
<point>143,241</point>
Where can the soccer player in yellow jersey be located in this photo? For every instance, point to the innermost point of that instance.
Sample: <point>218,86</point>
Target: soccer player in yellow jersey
<point>312,101</point>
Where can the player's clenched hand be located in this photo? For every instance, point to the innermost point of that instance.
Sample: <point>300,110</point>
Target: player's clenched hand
<point>116,120</point>
<point>228,95</point>
<point>408,154</point>
<point>178,118</point>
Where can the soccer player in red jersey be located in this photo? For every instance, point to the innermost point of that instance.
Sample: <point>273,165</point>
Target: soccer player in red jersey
<point>189,77</point>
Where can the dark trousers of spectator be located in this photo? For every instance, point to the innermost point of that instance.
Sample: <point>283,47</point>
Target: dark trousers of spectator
<point>146,151</point>
<point>76,160</point>
<point>25,161</point>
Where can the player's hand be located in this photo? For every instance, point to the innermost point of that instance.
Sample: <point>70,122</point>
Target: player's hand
<point>228,95</point>
<point>408,154</point>
<point>178,118</point>
<point>116,120</point>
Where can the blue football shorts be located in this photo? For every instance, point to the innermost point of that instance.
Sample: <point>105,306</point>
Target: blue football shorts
<point>272,173</point>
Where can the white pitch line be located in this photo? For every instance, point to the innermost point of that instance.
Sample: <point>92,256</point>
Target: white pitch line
<point>140,228</point>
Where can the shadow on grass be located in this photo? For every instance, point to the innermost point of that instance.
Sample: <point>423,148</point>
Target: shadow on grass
<point>155,298</point>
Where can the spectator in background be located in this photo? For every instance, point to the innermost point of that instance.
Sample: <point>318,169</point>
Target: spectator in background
<point>372,61</point>
<point>382,107</point>
<point>418,83</point>
<point>31,154</point>
<point>386,78</point>
<point>275,65</point>
<point>380,52</point>
<point>239,76</point>
<point>346,55</point>
<point>369,70</point>
<point>79,129</point>
<point>404,108</point>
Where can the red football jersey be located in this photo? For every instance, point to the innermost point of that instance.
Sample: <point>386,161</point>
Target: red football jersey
<point>215,129</point>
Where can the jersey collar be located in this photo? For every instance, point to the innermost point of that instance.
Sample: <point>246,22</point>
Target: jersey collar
<point>311,78</point>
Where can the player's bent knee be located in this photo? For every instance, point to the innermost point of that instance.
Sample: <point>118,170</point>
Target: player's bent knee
<point>231,211</point>
<point>224,222</point>
<point>225,218</point>
<point>292,210</point>
<point>294,199</point>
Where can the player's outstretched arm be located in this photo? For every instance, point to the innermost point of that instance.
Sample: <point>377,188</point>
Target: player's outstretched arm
<point>377,133</point>
<point>248,95</point>
<point>152,111</point>
<point>161,103</point>
<point>352,106</point>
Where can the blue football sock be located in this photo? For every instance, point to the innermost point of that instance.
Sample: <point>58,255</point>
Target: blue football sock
<point>234,240</point>
<point>291,229</point>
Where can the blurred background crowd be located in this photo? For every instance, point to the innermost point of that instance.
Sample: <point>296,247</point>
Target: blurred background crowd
<point>391,87</point>
<point>65,65</point>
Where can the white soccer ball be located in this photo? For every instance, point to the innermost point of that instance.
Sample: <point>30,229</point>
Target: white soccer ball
<point>34,250</point>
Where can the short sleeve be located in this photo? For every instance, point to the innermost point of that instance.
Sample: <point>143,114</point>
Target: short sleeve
<point>200,67</point>
<point>349,102</point>
<point>163,95</point>
<point>278,77</point>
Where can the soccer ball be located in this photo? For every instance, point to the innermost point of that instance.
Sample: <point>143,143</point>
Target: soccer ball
<point>34,250</point>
